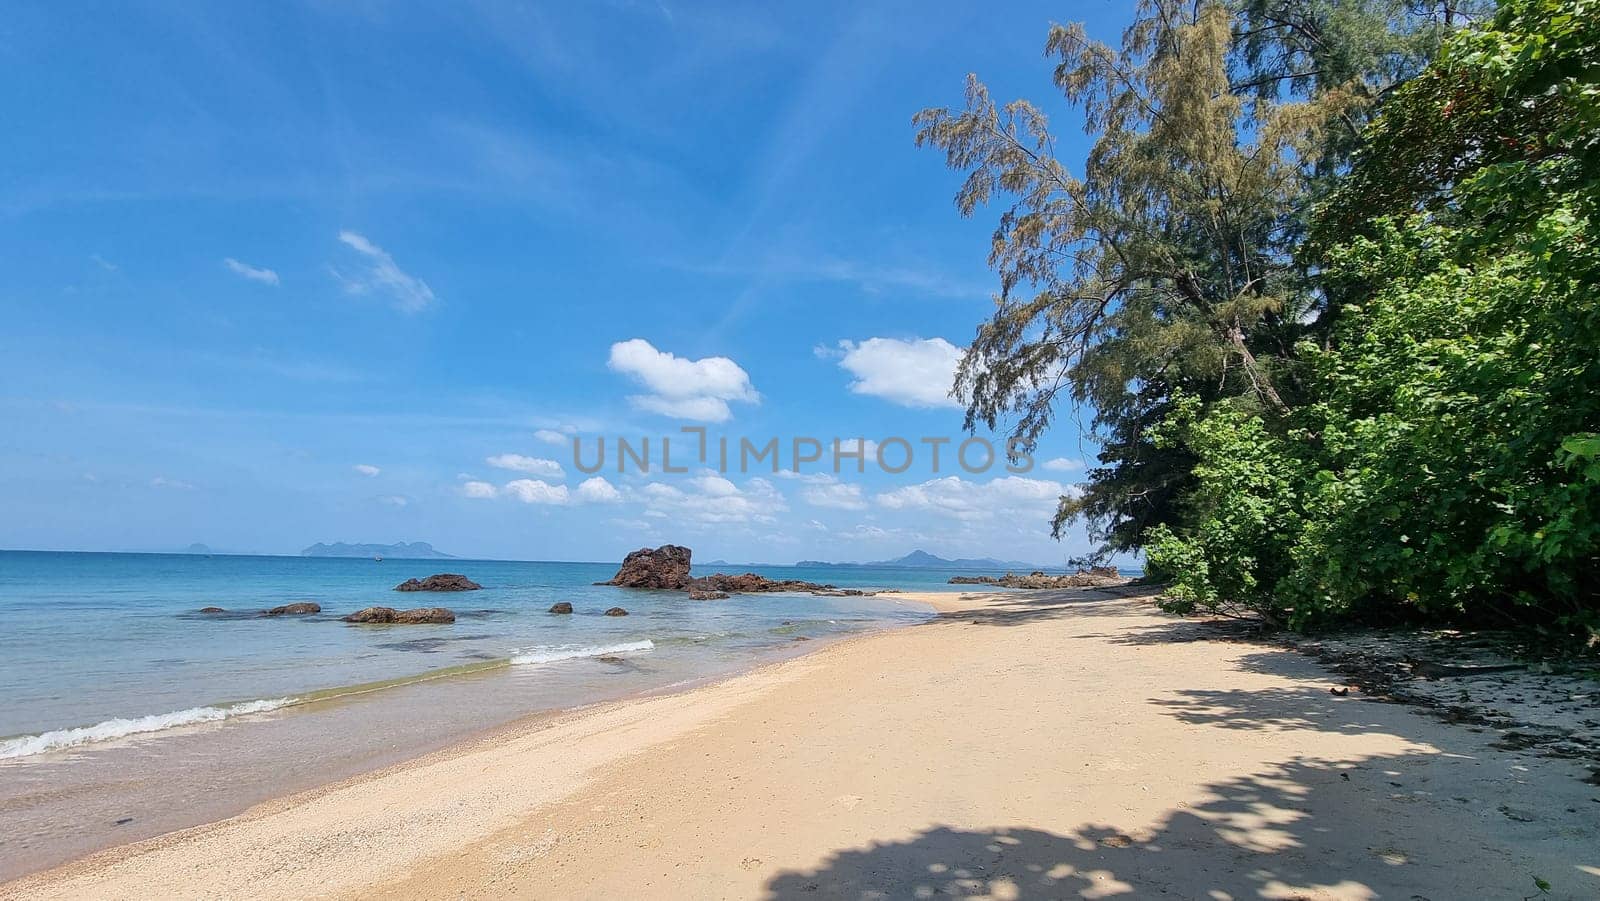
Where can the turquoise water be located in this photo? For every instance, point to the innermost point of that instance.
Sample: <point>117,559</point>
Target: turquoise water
<point>129,714</point>
<point>87,638</point>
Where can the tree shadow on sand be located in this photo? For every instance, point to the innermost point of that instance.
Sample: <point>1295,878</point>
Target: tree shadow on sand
<point>1248,837</point>
<point>1022,607</point>
<point>1447,820</point>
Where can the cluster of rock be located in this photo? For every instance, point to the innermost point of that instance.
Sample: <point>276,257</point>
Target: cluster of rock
<point>750,583</point>
<point>667,568</point>
<point>565,607</point>
<point>1094,577</point>
<point>388,615</point>
<point>439,582</point>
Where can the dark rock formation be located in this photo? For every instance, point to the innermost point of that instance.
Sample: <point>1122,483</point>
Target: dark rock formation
<point>212,610</point>
<point>300,609</point>
<point>616,611</point>
<point>439,582</point>
<point>1099,577</point>
<point>664,567</point>
<point>417,616</point>
<point>751,583</point>
<point>562,607</point>
<point>668,567</point>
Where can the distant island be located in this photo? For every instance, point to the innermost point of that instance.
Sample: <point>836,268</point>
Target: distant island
<point>923,560</point>
<point>415,550</point>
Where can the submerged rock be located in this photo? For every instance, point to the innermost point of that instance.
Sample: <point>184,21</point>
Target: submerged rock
<point>664,567</point>
<point>212,610</point>
<point>750,583</point>
<point>706,594</point>
<point>562,607</point>
<point>439,582</point>
<point>299,609</point>
<point>616,611</point>
<point>425,615</point>
<point>389,615</point>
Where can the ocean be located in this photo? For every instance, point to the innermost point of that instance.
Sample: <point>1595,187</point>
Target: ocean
<point>128,713</point>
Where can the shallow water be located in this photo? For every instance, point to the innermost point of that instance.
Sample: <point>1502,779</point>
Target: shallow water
<point>87,638</point>
<point>130,714</point>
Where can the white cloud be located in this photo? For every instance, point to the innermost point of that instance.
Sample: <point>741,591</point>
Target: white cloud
<point>598,491</point>
<point>367,469</point>
<point>834,495</point>
<point>533,491</point>
<point>710,498</point>
<point>479,489</point>
<point>535,466</point>
<point>952,496</point>
<point>914,373</point>
<point>176,484</point>
<point>1062,464</point>
<point>550,436</point>
<point>393,500</point>
<point>681,388</point>
<point>697,409</point>
<point>253,273</point>
<point>409,293</point>
<point>868,532</point>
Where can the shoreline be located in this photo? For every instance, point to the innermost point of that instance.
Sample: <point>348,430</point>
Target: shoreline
<point>114,812</point>
<point>1049,718</point>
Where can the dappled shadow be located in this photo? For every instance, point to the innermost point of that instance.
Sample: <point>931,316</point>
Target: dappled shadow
<point>1177,630</point>
<point>1266,709</point>
<point>1022,607</point>
<point>1306,828</point>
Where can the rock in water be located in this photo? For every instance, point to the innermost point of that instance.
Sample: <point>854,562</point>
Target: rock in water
<point>1095,578</point>
<point>664,567</point>
<point>417,616</point>
<point>212,610</point>
<point>439,582</point>
<point>300,609</point>
<point>706,594</point>
<point>562,607</point>
<point>424,615</point>
<point>750,583</point>
<point>616,611</point>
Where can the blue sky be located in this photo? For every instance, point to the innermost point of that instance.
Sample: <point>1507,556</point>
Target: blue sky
<point>296,272</point>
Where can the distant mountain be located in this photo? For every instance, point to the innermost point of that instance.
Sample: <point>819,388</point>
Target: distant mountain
<point>920,559</point>
<point>197,548</point>
<point>415,550</point>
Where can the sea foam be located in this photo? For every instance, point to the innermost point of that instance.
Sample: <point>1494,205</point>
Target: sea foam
<point>28,745</point>
<point>568,652</point>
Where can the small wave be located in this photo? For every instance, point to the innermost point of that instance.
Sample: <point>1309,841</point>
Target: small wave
<point>28,745</point>
<point>568,652</point>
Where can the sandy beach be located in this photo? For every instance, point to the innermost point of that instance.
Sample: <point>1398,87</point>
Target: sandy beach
<point>1023,745</point>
